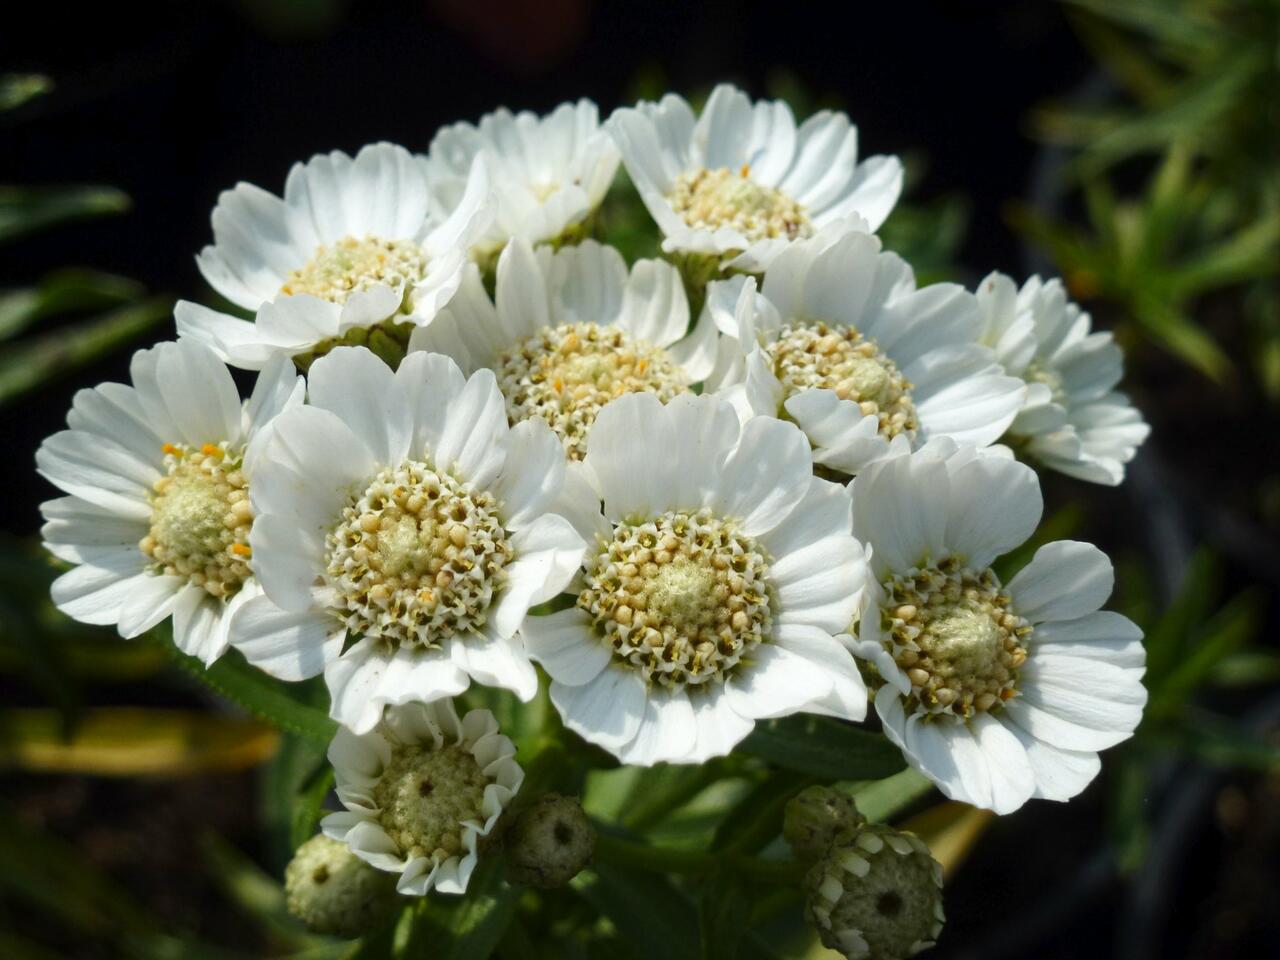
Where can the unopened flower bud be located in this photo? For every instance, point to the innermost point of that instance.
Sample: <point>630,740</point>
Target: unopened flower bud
<point>813,818</point>
<point>876,894</point>
<point>549,843</point>
<point>331,890</point>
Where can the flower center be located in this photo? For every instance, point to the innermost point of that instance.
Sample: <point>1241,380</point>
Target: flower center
<point>955,635</point>
<point>423,797</point>
<point>566,374</point>
<point>418,557</point>
<point>200,519</point>
<point>340,269</point>
<point>715,199</point>
<point>815,356</point>
<point>1038,372</point>
<point>681,598</point>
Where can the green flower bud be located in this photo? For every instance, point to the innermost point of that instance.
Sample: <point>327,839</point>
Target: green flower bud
<point>549,842</point>
<point>876,894</point>
<point>332,890</point>
<point>813,818</point>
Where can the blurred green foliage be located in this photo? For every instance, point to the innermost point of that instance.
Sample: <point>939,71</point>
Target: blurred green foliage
<point>1191,260</point>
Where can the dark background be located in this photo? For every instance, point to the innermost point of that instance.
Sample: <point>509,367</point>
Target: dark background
<point>173,102</point>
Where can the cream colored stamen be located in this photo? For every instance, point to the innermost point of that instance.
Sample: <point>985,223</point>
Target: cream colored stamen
<point>418,557</point>
<point>566,374</point>
<point>350,265</point>
<point>200,519</point>
<point>715,199</point>
<point>1038,372</point>
<point>955,635</point>
<point>816,356</point>
<point>682,598</point>
<point>424,795</point>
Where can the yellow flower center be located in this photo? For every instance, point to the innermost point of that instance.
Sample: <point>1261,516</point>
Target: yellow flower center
<point>716,199</point>
<point>340,269</point>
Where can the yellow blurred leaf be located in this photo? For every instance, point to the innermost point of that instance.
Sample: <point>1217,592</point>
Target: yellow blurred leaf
<point>951,830</point>
<point>130,742</point>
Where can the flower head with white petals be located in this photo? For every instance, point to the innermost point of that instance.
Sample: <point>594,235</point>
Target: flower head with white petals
<point>403,534</point>
<point>550,173</point>
<point>996,692</point>
<point>572,330</point>
<point>158,516</point>
<point>360,234</point>
<point>420,790</point>
<point>1074,420</point>
<point>720,573</point>
<point>841,341</point>
<point>741,182</point>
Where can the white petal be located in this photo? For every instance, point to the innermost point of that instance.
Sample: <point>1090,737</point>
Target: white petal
<point>776,683</point>
<point>606,710</point>
<point>1064,580</point>
<point>566,646</point>
<point>150,601</point>
<point>1013,781</point>
<point>1059,774</point>
<point>356,386</point>
<point>498,662</point>
<point>95,593</point>
<point>367,678</point>
<point>765,476</point>
<point>474,442</point>
<point>626,452</point>
<point>993,506</point>
<point>288,557</point>
<point>532,475</point>
<point>667,733</point>
<point>719,727</point>
<point>547,554</point>
<point>289,645</point>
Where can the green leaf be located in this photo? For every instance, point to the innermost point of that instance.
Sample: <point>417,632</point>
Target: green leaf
<point>1234,626</point>
<point>650,914</point>
<point>466,929</point>
<point>1247,669</point>
<point>17,88</point>
<point>823,747</point>
<point>25,210</point>
<point>63,291</point>
<point>34,363</point>
<point>883,800</point>
<point>274,701</point>
<point>259,897</point>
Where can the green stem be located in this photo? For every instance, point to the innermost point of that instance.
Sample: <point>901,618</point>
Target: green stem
<point>620,852</point>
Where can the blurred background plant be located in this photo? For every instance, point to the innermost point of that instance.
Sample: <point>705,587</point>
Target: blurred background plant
<point>149,806</point>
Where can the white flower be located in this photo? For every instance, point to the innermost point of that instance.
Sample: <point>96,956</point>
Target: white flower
<point>841,341</point>
<point>358,233</point>
<point>572,330</point>
<point>159,476</point>
<point>1074,420</point>
<point>720,574</point>
<point>421,789</point>
<point>400,510</point>
<point>997,693</point>
<point>550,173</point>
<point>741,182</point>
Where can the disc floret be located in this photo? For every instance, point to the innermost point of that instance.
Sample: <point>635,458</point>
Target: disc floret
<point>681,598</point>
<point>200,518</point>
<point>816,356</point>
<point>351,265</point>
<point>425,795</point>
<point>955,636</point>
<point>566,374</point>
<point>723,198</point>
<point>418,557</point>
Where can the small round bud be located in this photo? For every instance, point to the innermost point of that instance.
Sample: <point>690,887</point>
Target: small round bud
<point>876,894</point>
<point>549,843</point>
<point>333,891</point>
<point>813,818</point>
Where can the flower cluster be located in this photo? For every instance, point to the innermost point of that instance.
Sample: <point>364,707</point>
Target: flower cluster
<point>764,472</point>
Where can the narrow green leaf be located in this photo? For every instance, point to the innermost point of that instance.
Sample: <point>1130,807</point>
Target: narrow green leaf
<point>724,908</point>
<point>259,897</point>
<point>63,291</point>
<point>885,799</point>
<point>26,210</point>
<point>823,747</point>
<point>1246,669</point>
<point>272,700</point>
<point>34,363</point>
<point>17,88</point>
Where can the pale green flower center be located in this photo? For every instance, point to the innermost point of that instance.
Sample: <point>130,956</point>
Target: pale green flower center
<point>716,199</point>
<point>200,519</point>
<point>682,598</point>
<point>955,635</point>
<point>814,356</point>
<point>1039,372</point>
<point>418,557</point>
<point>349,265</point>
<point>424,796</point>
<point>333,891</point>
<point>566,375</point>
